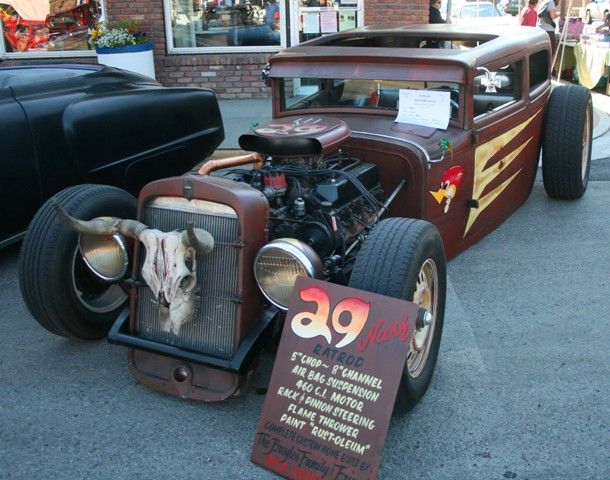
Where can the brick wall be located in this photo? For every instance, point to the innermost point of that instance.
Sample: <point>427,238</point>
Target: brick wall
<point>229,75</point>
<point>396,12</point>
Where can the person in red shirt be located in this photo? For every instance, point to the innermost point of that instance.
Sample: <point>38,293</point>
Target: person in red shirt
<point>529,18</point>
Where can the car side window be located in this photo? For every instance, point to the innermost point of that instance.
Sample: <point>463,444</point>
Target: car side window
<point>496,88</point>
<point>539,68</point>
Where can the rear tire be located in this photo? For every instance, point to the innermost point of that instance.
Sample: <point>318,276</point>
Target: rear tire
<point>566,146</point>
<point>58,289</point>
<point>405,258</point>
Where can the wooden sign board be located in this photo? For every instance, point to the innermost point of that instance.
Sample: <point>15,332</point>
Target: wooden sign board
<point>334,383</point>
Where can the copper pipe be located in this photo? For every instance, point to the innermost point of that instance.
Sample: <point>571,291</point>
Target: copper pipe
<point>212,165</point>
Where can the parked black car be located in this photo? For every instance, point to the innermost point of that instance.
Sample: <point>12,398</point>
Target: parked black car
<point>62,125</point>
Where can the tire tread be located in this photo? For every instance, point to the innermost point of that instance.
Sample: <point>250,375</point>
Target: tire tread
<point>40,242</point>
<point>387,236</point>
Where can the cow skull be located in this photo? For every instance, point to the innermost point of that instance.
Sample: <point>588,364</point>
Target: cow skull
<point>170,266</point>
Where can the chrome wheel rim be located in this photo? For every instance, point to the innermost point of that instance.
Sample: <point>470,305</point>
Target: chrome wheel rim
<point>426,296</point>
<point>585,144</point>
<point>94,294</point>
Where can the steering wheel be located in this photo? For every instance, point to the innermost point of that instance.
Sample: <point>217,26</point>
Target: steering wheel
<point>454,99</point>
<point>454,93</point>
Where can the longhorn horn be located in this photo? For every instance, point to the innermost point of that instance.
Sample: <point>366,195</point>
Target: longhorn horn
<point>100,225</point>
<point>198,238</point>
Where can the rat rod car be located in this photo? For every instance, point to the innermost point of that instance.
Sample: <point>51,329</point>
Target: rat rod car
<point>339,191</point>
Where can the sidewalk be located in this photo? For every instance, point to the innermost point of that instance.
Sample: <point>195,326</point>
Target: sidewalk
<point>239,115</point>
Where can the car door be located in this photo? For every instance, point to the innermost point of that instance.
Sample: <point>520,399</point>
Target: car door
<point>20,194</point>
<point>505,140</point>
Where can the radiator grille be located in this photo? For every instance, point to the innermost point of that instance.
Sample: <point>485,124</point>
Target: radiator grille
<point>212,330</point>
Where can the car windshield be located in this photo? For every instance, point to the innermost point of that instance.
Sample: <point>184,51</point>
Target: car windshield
<point>479,10</point>
<point>309,93</point>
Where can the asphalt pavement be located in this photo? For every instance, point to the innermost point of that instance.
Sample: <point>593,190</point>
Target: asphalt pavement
<point>521,389</point>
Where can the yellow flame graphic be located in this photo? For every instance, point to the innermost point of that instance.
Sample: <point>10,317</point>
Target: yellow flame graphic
<point>484,175</point>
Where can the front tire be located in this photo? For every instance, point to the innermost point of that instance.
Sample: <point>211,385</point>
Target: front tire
<point>566,146</point>
<point>405,258</point>
<point>57,287</point>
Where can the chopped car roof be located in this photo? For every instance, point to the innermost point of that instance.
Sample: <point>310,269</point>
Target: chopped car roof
<point>499,42</point>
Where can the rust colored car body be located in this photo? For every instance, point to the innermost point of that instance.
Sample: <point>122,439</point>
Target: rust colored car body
<point>498,150</point>
<point>335,103</point>
<point>497,147</point>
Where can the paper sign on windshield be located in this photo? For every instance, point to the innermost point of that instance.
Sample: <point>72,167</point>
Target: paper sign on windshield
<point>424,107</point>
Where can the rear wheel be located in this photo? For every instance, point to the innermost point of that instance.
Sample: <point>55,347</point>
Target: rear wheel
<point>566,146</point>
<point>404,258</point>
<point>60,291</point>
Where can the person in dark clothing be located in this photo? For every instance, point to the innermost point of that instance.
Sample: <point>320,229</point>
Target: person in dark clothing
<point>435,17</point>
<point>435,13</point>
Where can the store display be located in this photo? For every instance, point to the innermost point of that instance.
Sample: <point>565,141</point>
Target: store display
<point>41,25</point>
<point>328,21</point>
<point>225,23</point>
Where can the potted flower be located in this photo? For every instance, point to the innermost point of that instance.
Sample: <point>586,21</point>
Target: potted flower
<point>123,45</point>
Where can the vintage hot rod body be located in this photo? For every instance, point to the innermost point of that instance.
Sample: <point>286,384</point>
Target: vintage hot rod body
<point>62,125</point>
<point>339,191</point>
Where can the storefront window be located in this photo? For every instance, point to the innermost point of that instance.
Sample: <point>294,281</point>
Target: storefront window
<point>226,23</point>
<point>47,25</point>
<point>318,17</point>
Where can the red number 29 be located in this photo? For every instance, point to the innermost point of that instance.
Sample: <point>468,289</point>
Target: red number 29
<point>313,324</point>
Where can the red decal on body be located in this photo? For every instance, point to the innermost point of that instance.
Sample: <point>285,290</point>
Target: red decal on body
<point>450,181</point>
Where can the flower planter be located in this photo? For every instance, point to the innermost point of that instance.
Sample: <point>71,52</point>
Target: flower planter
<point>135,58</point>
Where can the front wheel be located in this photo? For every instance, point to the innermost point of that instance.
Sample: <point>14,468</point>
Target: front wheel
<point>60,291</point>
<point>405,258</point>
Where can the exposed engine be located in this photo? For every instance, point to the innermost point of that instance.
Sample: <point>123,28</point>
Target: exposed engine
<point>326,203</point>
<point>317,194</point>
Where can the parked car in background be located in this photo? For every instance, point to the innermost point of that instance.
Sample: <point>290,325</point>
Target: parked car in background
<point>596,10</point>
<point>475,14</point>
<point>62,125</point>
<point>512,7</point>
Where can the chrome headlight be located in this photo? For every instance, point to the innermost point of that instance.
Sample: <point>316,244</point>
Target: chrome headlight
<point>279,263</point>
<point>105,255</point>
